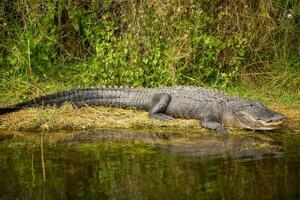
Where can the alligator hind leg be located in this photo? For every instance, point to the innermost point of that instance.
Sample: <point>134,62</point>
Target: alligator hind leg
<point>159,104</point>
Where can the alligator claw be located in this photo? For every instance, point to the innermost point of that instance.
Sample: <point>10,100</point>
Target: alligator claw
<point>216,126</point>
<point>222,130</point>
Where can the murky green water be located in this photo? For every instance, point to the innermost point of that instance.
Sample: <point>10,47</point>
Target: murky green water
<point>131,165</point>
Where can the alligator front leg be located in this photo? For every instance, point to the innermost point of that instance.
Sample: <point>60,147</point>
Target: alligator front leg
<point>159,104</point>
<point>216,126</point>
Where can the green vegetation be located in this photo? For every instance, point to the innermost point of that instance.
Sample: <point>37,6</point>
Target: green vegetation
<point>248,48</point>
<point>54,45</point>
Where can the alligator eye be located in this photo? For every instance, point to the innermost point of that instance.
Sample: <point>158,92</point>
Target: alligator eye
<point>251,105</point>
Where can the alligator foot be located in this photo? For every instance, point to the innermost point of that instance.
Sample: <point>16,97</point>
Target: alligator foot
<point>161,117</point>
<point>216,126</point>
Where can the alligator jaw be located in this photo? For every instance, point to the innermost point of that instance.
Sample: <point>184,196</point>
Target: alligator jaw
<point>249,122</point>
<point>263,128</point>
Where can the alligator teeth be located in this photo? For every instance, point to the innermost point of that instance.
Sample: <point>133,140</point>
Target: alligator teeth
<point>265,128</point>
<point>277,123</point>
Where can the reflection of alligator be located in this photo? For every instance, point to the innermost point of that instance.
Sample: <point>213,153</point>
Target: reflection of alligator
<point>242,147</point>
<point>212,107</point>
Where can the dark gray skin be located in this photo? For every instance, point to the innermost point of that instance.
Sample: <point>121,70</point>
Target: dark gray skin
<point>214,109</point>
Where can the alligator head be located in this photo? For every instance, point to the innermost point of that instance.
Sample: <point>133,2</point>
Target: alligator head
<point>251,115</point>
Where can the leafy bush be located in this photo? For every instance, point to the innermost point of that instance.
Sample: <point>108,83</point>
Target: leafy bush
<point>146,43</point>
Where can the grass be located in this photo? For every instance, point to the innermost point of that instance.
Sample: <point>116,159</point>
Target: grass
<point>75,119</point>
<point>267,95</point>
<point>247,48</point>
<point>71,119</point>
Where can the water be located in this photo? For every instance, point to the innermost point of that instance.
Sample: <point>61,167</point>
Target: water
<point>138,165</point>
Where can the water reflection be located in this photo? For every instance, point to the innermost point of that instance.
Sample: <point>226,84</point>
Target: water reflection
<point>138,165</point>
<point>244,147</point>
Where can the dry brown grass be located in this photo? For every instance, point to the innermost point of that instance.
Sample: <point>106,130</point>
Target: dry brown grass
<point>293,114</point>
<point>69,118</point>
<point>74,119</point>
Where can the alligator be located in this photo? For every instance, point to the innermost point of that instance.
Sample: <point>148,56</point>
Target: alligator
<point>214,109</point>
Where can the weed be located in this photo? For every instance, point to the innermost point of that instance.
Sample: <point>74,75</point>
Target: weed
<point>54,45</point>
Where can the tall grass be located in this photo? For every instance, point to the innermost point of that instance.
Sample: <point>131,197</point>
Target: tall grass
<point>53,45</point>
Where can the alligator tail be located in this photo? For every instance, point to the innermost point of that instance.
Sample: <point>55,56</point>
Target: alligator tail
<point>75,96</point>
<point>8,110</point>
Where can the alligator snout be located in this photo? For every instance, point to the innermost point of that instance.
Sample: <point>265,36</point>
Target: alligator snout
<point>276,118</point>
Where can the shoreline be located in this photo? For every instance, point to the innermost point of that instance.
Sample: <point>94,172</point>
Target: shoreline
<point>70,118</point>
